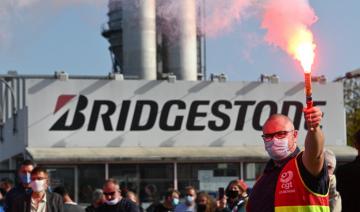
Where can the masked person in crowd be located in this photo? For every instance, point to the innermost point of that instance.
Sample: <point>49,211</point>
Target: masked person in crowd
<point>40,199</point>
<point>204,203</point>
<point>334,195</point>
<point>348,180</point>
<point>237,196</point>
<point>114,201</point>
<point>22,187</point>
<point>292,180</point>
<point>171,200</point>
<point>189,204</point>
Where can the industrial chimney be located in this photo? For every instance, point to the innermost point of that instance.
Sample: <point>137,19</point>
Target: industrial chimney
<point>140,46</point>
<point>180,47</point>
<point>132,35</point>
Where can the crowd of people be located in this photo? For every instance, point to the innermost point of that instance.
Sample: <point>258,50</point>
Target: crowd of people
<point>33,194</point>
<point>292,180</point>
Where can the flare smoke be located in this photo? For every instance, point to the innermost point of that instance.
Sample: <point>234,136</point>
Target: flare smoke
<point>287,23</point>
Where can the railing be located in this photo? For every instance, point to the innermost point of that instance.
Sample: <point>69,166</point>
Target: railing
<point>11,99</point>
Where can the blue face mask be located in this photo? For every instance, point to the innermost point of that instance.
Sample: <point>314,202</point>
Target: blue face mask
<point>189,199</point>
<point>277,149</point>
<point>25,178</point>
<point>175,202</point>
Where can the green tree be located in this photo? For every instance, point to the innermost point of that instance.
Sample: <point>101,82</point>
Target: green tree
<point>352,105</point>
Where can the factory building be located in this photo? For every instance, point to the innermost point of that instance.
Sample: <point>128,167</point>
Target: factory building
<point>152,134</point>
<point>152,123</point>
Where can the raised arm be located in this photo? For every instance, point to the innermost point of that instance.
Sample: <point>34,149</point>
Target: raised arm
<point>313,157</point>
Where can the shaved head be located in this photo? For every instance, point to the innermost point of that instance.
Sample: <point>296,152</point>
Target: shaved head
<point>277,117</point>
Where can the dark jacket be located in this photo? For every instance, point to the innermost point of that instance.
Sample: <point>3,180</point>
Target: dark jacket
<point>90,208</point>
<point>161,208</point>
<point>72,208</point>
<point>123,205</point>
<point>13,194</point>
<point>54,203</point>
<point>348,184</point>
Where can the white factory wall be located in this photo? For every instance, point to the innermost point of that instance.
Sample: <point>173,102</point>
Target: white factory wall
<point>202,109</point>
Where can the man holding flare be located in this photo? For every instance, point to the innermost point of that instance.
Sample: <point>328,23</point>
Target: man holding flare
<point>293,180</point>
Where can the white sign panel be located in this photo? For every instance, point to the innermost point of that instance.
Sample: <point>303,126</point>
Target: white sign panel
<point>138,113</point>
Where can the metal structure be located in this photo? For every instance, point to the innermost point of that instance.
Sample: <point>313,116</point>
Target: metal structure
<point>269,78</point>
<point>351,82</point>
<point>146,44</point>
<point>3,115</point>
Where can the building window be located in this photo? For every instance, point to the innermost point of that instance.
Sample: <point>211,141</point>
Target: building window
<point>62,176</point>
<point>126,174</point>
<point>253,170</point>
<point>149,181</point>
<point>207,176</point>
<point>90,177</point>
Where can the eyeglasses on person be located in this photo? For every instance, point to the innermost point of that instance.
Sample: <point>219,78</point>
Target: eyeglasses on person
<point>279,135</point>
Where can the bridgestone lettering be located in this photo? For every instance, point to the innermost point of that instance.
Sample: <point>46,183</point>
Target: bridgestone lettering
<point>173,115</point>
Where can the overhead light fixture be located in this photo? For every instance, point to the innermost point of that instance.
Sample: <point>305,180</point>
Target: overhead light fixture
<point>171,77</point>
<point>61,75</point>
<point>116,76</point>
<point>269,78</point>
<point>218,78</point>
<point>320,79</point>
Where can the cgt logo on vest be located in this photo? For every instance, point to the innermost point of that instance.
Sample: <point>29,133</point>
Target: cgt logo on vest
<point>286,182</point>
<point>171,115</point>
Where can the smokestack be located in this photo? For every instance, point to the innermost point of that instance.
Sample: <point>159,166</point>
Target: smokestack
<point>139,37</point>
<point>152,38</point>
<point>132,35</point>
<point>182,50</point>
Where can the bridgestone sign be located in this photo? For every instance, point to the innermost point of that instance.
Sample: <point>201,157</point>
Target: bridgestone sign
<point>104,113</point>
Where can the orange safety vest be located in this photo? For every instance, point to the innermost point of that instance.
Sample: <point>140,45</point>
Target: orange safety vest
<point>292,195</point>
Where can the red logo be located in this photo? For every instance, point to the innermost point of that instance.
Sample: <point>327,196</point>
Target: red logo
<point>62,100</point>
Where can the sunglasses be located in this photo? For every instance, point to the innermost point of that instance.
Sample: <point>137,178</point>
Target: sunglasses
<point>278,135</point>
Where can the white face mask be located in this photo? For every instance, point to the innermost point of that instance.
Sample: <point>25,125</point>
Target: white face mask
<point>189,199</point>
<point>112,202</point>
<point>38,185</point>
<point>278,149</point>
